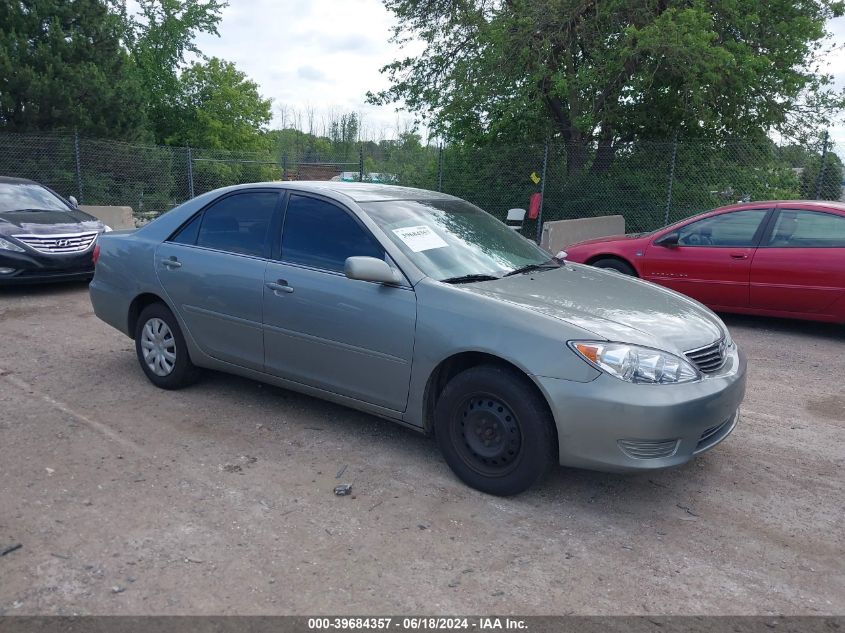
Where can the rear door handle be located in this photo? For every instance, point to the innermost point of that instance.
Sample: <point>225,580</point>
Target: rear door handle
<point>172,263</point>
<point>739,256</point>
<point>279,286</point>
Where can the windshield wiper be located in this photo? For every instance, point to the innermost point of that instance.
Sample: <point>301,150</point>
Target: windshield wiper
<point>463,279</point>
<point>526,269</point>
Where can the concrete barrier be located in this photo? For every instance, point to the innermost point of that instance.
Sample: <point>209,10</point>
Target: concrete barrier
<point>558,235</point>
<point>116,217</point>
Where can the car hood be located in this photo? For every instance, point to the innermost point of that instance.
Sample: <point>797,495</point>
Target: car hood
<point>610,305</point>
<point>607,238</point>
<point>47,222</point>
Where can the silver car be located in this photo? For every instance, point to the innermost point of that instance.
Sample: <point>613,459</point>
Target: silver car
<point>421,308</point>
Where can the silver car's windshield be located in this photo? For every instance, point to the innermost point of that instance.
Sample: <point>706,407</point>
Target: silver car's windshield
<point>454,240</point>
<point>26,196</point>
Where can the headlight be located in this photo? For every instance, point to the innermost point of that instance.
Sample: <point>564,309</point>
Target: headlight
<point>6,245</point>
<point>633,363</point>
<point>107,228</point>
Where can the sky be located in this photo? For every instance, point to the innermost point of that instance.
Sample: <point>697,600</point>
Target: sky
<point>834,64</point>
<point>327,53</point>
<point>322,53</point>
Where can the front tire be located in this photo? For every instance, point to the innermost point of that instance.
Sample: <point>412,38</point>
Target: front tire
<point>615,264</point>
<point>161,349</point>
<point>494,430</point>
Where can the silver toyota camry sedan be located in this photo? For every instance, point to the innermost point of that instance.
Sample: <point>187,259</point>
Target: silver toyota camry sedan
<point>421,308</point>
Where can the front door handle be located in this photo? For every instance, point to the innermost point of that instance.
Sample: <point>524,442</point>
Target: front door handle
<point>172,263</point>
<point>739,256</point>
<point>279,286</point>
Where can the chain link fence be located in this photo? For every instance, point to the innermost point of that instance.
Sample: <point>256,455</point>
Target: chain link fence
<point>650,183</point>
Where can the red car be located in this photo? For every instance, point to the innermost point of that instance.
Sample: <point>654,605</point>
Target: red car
<point>781,258</point>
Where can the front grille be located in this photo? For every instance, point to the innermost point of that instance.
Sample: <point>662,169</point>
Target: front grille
<point>709,359</point>
<point>648,449</point>
<point>59,244</point>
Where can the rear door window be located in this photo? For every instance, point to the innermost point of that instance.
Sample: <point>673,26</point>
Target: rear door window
<point>236,224</point>
<point>188,233</point>
<point>808,229</point>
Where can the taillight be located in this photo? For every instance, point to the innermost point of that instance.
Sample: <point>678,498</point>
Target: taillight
<point>96,254</point>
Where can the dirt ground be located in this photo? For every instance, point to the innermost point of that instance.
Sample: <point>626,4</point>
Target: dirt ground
<point>218,499</point>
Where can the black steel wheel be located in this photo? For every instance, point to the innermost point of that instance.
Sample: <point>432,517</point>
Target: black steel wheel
<point>487,434</point>
<point>495,430</point>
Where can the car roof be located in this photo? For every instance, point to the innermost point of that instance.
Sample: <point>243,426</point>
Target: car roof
<point>10,180</point>
<point>806,204</point>
<point>361,191</point>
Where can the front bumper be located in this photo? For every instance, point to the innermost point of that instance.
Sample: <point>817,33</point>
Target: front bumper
<point>615,426</point>
<point>31,267</point>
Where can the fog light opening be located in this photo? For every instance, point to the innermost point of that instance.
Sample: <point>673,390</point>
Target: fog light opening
<point>7,271</point>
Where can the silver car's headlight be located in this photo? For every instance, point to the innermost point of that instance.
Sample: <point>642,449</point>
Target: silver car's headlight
<point>107,228</point>
<point>633,363</point>
<point>6,245</point>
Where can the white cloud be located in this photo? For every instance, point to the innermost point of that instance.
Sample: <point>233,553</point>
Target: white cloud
<point>310,73</point>
<point>323,54</point>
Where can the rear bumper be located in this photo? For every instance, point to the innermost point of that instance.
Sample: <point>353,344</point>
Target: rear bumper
<point>615,426</point>
<point>30,268</point>
<point>110,305</point>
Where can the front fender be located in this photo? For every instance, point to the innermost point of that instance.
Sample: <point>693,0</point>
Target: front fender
<point>451,321</point>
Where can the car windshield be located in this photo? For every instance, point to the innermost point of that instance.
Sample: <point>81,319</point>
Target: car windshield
<point>27,196</point>
<point>454,240</point>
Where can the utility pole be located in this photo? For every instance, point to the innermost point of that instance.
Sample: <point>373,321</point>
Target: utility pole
<point>820,177</point>
<point>542,192</point>
<point>671,179</point>
<point>78,164</point>
<point>440,167</point>
<point>190,160</point>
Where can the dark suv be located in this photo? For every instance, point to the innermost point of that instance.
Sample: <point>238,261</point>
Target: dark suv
<point>43,237</point>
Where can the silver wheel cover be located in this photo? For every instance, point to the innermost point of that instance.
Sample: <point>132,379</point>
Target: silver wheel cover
<point>158,347</point>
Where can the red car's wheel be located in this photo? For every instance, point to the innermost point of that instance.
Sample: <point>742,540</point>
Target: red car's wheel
<point>615,264</point>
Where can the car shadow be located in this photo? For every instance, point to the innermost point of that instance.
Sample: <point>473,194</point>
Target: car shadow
<point>42,289</point>
<point>594,492</point>
<point>832,331</point>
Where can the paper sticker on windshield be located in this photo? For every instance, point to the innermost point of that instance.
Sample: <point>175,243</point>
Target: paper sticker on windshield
<point>420,238</point>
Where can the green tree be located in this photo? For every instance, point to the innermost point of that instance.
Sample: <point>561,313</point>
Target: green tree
<point>63,66</point>
<point>806,162</point>
<point>217,107</point>
<point>823,183</point>
<point>343,132</point>
<point>601,75</point>
<point>159,38</point>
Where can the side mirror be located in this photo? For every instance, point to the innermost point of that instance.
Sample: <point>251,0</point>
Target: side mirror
<point>670,240</point>
<point>370,269</point>
<point>561,256</point>
<point>515,218</point>
<point>73,201</point>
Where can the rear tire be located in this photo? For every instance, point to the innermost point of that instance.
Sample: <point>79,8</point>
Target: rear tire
<point>161,349</point>
<point>615,264</point>
<point>494,430</point>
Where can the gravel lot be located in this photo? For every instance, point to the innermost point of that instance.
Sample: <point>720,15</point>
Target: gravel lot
<point>218,499</point>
